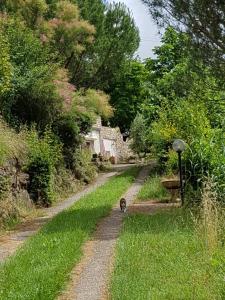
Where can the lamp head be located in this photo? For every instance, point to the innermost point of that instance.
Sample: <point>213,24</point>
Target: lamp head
<point>178,145</point>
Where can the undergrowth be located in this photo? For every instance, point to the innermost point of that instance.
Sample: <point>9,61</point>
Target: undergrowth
<point>153,190</point>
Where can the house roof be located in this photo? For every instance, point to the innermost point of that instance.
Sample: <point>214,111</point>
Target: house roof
<point>109,133</point>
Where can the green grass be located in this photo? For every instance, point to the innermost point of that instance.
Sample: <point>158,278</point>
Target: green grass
<point>153,190</point>
<point>159,257</point>
<point>40,269</point>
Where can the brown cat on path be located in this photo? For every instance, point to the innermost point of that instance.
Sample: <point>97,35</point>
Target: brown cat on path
<point>123,205</point>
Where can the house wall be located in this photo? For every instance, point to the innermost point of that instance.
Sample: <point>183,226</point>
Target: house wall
<point>95,136</point>
<point>109,147</point>
<point>109,142</point>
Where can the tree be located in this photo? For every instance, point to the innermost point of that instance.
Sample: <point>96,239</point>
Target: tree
<point>32,96</point>
<point>116,40</point>
<point>67,33</point>
<point>173,77</point>
<point>138,133</point>
<point>203,20</point>
<point>94,102</point>
<point>128,93</point>
<point>30,11</point>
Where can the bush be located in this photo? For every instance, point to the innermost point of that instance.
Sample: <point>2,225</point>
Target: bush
<point>65,183</point>
<point>11,144</point>
<point>32,95</point>
<point>205,157</point>
<point>45,154</point>
<point>83,168</point>
<point>205,154</point>
<point>69,127</point>
<point>138,134</point>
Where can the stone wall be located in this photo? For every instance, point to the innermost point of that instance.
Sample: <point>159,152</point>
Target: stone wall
<point>123,148</point>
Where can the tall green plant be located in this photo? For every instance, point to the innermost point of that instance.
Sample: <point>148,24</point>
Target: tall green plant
<point>5,65</point>
<point>45,154</point>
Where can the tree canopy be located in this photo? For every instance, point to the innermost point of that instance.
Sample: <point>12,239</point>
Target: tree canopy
<point>204,21</point>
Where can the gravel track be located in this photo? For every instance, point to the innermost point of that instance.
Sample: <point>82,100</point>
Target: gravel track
<point>89,278</point>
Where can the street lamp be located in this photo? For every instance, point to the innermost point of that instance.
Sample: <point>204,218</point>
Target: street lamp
<point>179,146</point>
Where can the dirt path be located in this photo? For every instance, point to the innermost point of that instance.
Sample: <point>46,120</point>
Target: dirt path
<point>9,243</point>
<point>89,279</point>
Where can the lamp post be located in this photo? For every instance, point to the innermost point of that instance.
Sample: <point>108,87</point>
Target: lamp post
<point>179,146</point>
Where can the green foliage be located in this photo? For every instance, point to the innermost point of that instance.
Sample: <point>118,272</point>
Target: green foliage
<point>69,128</point>
<point>128,93</point>
<point>205,153</point>
<point>67,33</point>
<point>173,62</point>
<point>202,20</point>
<point>5,65</point>
<point>191,109</point>
<point>153,190</point>
<point>32,96</point>
<point>83,167</point>
<point>138,133</point>
<point>169,54</point>
<point>44,157</point>
<point>68,132</point>
<point>12,145</point>
<point>31,11</point>
<point>116,39</point>
<point>94,101</point>
<point>205,158</point>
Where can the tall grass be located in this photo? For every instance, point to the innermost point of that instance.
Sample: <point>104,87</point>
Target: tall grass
<point>11,144</point>
<point>153,190</point>
<point>161,257</point>
<point>210,220</point>
<point>173,255</point>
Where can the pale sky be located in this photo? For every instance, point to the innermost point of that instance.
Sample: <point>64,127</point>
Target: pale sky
<point>148,30</point>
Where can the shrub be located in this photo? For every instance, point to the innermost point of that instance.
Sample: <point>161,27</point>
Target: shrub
<point>138,134</point>
<point>32,95</point>
<point>69,127</point>
<point>11,144</point>
<point>210,222</point>
<point>5,66</point>
<point>205,157</point>
<point>69,134</point>
<point>45,154</point>
<point>9,212</point>
<point>83,168</point>
<point>65,183</point>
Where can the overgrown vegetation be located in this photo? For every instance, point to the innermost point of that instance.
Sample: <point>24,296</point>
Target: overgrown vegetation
<point>57,61</point>
<point>153,190</point>
<point>191,109</point>
<point>163,257</point>
<point>40,269</point>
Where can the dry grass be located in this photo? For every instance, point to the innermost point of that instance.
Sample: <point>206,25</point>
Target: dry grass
<point>210,222</point>
<point>11,144</point>
<point>13,210</point>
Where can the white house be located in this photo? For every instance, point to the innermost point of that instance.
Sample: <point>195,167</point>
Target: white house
<point>108,142</point>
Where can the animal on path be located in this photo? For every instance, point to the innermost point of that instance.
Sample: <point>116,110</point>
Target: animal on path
<point>123,205</point>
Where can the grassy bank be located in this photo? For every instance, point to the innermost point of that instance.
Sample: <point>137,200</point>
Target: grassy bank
<point>153,190</point>
<point>42,266</point>
<point>161,257</point>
